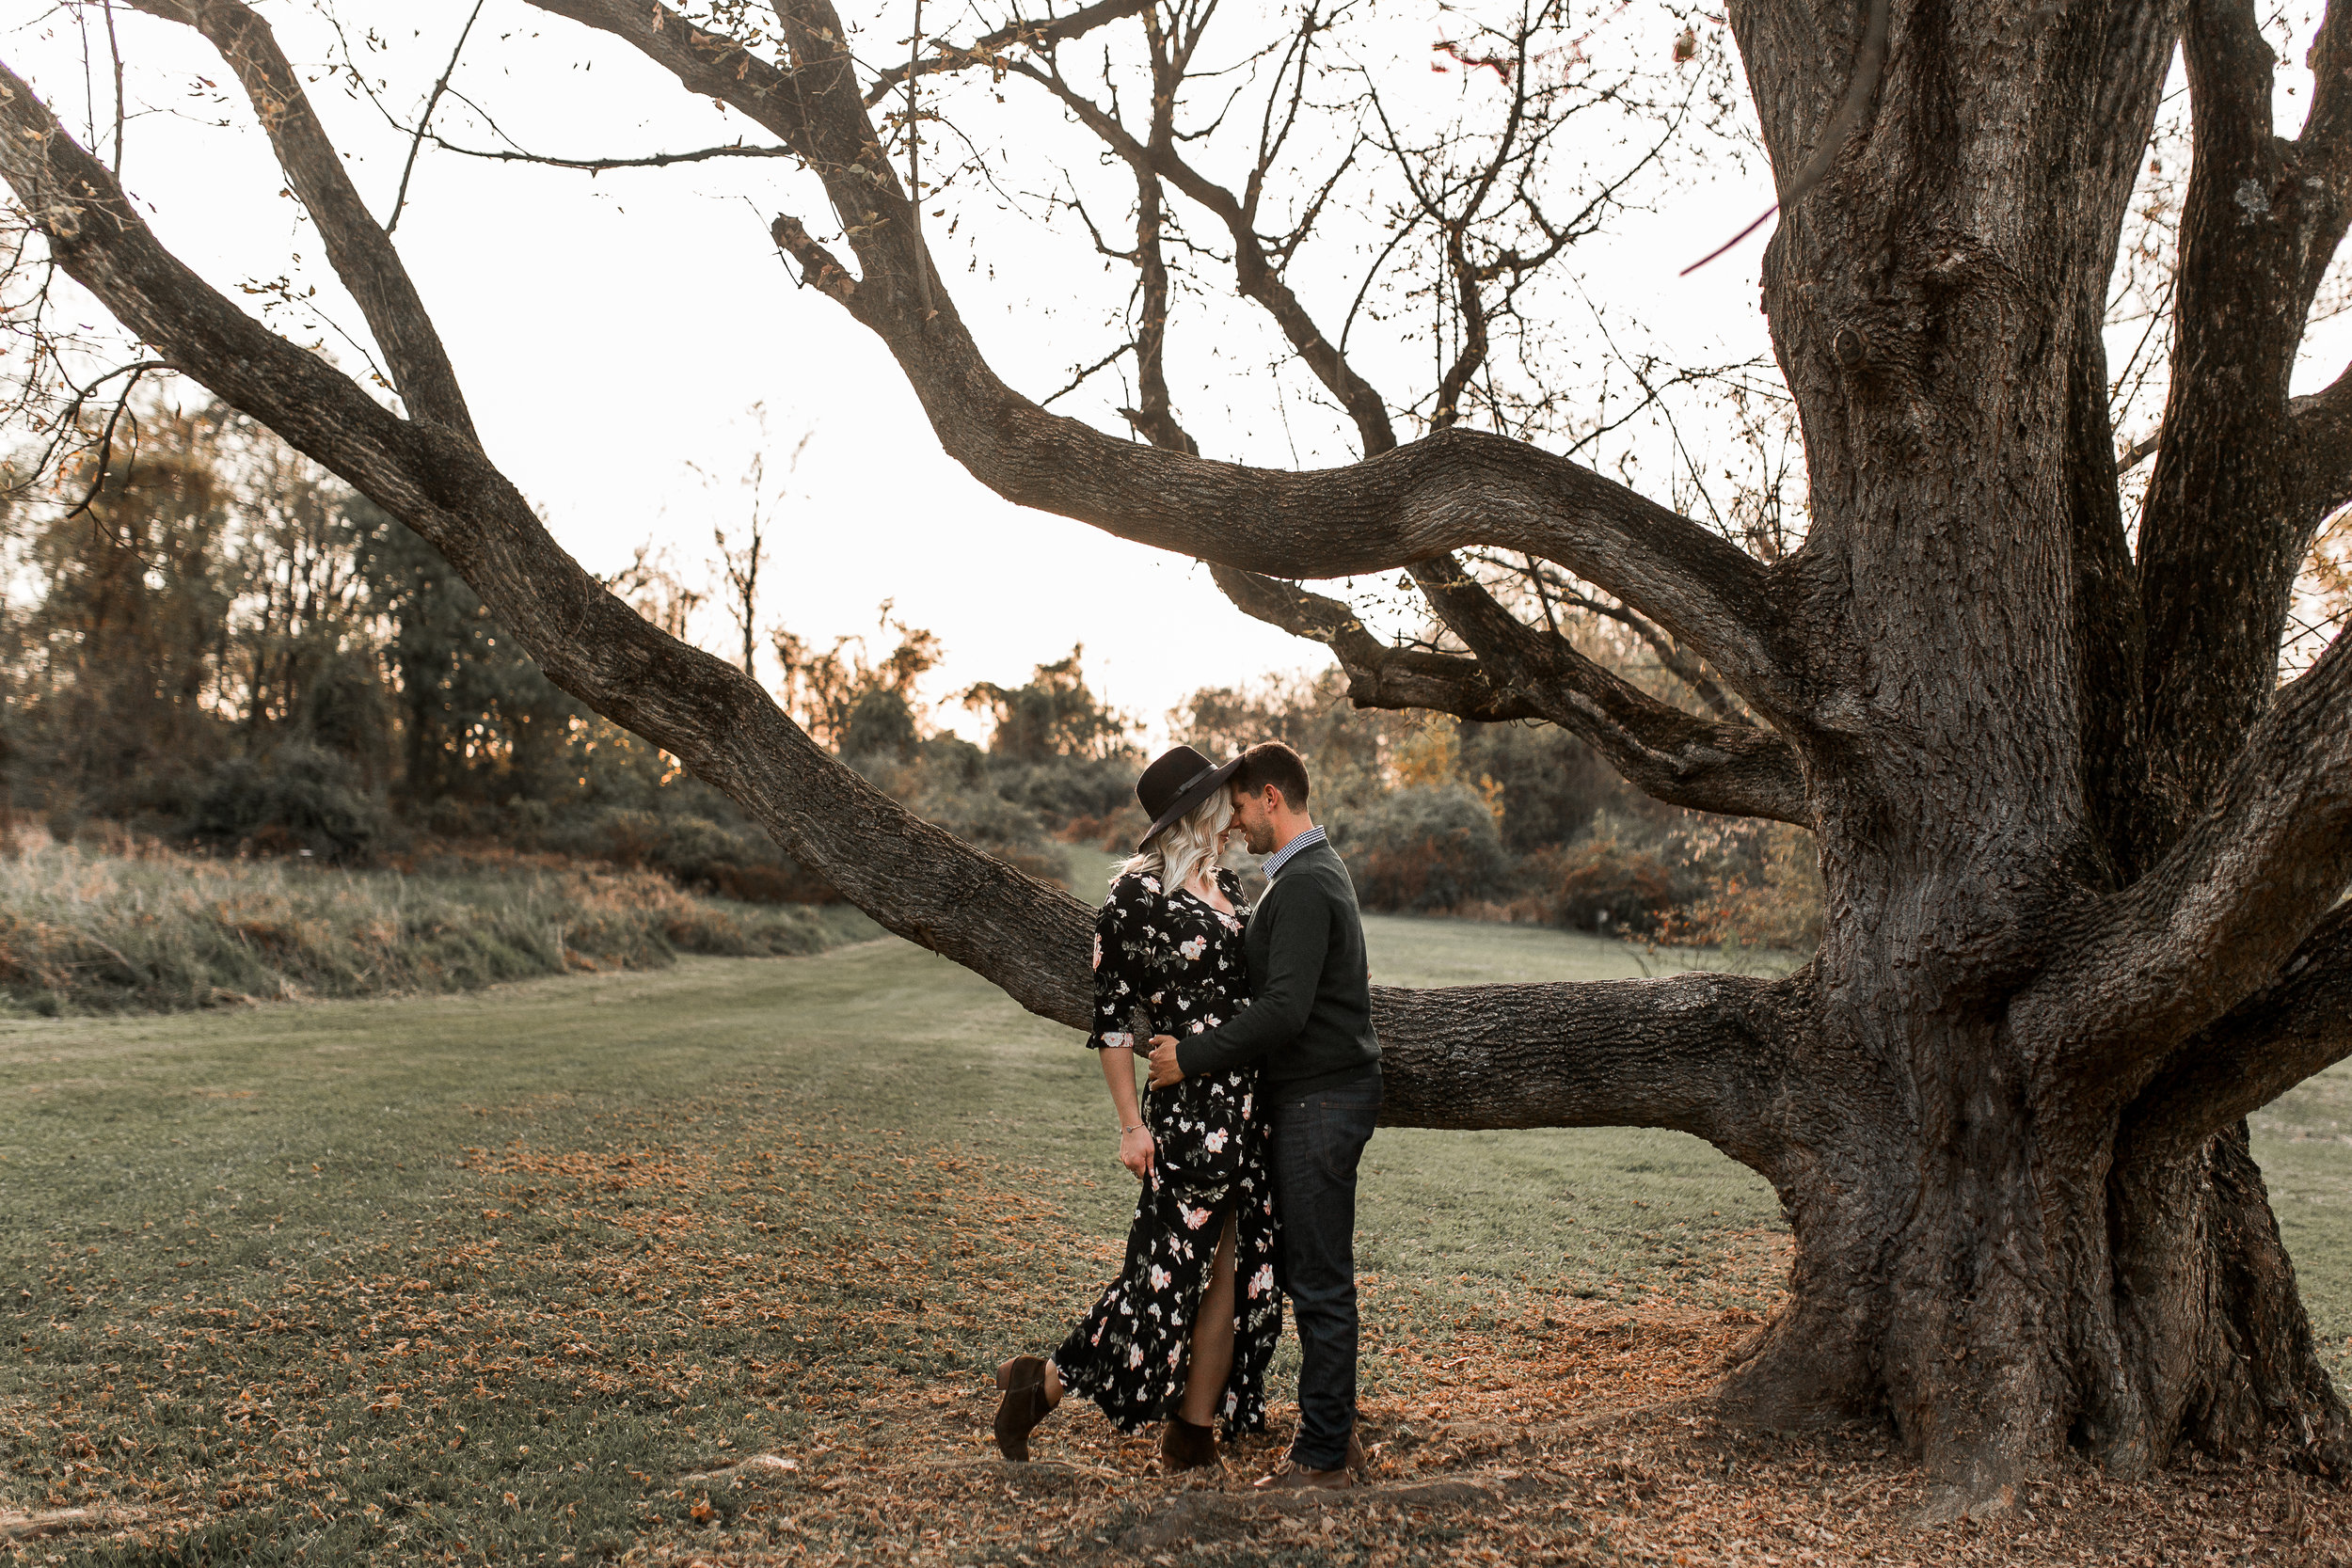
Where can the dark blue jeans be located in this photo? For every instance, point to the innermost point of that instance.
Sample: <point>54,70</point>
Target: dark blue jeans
<point>1318,1139</point>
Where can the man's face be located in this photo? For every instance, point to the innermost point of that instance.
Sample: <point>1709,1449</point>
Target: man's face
<point>1252,817</point>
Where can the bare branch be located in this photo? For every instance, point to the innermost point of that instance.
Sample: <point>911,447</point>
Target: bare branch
<point>1014,35</point>
<point>1378,676</point>
<point>424,121</point>
<point>1673,655</point>
<point>597,166</point>
<point>1256,276</point>
<point>1709,1054</point>
<point>706,64</point>
<point>361,252</point>
<point>1737,768</point>
<point>1456,489</point>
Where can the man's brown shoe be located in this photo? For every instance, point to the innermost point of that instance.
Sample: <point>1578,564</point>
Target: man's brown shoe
<point>1294,1477</point>
<point>1024,1404</point>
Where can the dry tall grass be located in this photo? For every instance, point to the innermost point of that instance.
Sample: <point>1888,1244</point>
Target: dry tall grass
<point>135,925</point>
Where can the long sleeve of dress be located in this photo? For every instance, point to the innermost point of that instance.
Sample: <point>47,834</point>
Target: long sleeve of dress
<point>1122,972</point>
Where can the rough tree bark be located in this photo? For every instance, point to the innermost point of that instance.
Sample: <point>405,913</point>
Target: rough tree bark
<point>2080,855</point>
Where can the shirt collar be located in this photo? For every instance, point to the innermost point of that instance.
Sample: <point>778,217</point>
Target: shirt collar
<point>1281,857</point>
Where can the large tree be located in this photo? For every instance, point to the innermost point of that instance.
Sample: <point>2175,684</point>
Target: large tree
<point>2084,853</point>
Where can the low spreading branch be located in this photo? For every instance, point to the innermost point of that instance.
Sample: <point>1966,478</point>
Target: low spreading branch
<point>1714,1056</point>
<point>2298,1025</point>
<point>1707,1054</point>
<point>2218,918</point>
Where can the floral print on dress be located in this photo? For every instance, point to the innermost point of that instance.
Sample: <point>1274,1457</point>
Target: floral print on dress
<point>1172,964</point>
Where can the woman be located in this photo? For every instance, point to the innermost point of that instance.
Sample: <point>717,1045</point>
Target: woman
<point>1183,1334</point>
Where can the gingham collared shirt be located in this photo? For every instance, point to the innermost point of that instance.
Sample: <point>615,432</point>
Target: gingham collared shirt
<point>1280,858</point>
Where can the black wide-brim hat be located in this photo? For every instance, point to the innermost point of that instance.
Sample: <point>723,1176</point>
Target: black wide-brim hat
<point>1175,782</point>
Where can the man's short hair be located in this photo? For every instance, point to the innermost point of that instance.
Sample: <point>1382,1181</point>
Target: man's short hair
<point>1270,762</point>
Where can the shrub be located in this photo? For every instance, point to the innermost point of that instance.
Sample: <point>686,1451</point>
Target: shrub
<point>1114,832</point>
<point>153,930</point>
<point>296,798</point>
<point>1424,849</point>
<point>1065,790</point>
<point>1604,882</point>
<point>945,783</point>
<point>696,853</point>
<point>1767,896</point>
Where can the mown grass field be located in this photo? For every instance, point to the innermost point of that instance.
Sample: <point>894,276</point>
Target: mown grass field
<point>517,1275</point>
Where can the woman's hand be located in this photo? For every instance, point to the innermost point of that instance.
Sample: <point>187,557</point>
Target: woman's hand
<point>1136,1149</point>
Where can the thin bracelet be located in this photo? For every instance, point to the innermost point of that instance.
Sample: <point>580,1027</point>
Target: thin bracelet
<point>1137,1128</point>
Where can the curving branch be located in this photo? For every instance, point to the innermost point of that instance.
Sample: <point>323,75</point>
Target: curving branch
<point>2296,1026</point>
<point>1517,673</point>
<point>2321,439</point>
<point>1378,676</point>
<point>599,165</point>
<point>361,250</point>
<point>1550,584</point>
<point>1732,768</point>
<point>2218,916</point>
<point>918,880</point>
<point>1705,1052</point>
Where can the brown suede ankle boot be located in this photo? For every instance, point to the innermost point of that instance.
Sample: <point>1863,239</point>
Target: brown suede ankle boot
<point>1185,1446</point>
<point>1024,1404</point>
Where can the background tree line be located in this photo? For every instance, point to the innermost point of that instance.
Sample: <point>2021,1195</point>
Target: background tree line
<point>214,642</point>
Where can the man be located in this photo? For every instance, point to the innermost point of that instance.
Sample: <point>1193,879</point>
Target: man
<point>1309,1028</point>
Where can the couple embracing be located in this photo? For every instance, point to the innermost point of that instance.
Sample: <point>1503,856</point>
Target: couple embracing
<point>1265,1085</point>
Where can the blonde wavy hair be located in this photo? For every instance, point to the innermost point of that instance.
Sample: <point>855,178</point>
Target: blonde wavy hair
<point>1178,850</point>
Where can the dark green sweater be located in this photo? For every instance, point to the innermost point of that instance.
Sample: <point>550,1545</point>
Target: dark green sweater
<point>1309,1022</point>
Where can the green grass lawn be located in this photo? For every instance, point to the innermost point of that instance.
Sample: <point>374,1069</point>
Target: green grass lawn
<point>482,1275</point>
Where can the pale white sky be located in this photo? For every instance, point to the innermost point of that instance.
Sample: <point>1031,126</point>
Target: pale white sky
<point>612,334</point>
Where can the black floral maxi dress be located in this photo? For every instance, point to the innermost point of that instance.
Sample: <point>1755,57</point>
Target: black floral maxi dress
<point>1172,964</point>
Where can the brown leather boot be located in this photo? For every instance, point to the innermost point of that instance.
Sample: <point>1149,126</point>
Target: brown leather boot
<point>1024,1404</point>
<point>1185,1446</point>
